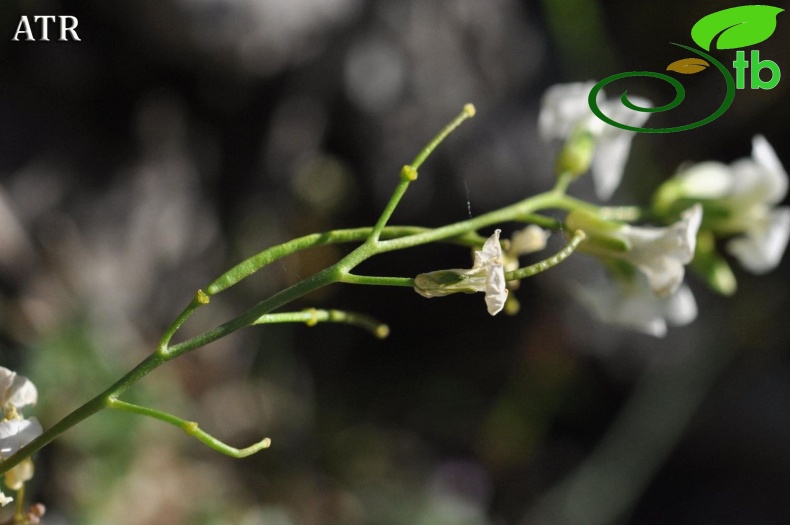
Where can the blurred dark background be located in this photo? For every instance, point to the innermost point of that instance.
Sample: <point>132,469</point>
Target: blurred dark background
<point>179,136</point>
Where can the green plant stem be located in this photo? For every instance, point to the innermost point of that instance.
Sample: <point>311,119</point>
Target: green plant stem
<point>374,280</point>
<point>340,271</point>
<point>508,213</point>
<point>86,410</point>
<point>19,507</point>
<point>403,237</point>
<point>252,264</point>
<point>554,260</point>
<point>409,172</point>
<point>313,316</point>
<point>258,261</point>
<point>191,428</point>
<point>376,240</point>
<point>199,300</point>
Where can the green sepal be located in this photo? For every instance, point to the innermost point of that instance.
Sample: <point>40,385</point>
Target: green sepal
<point>711,267</point>
<point>669,202</point>
<point>446,282</point>
<point>601,235</point>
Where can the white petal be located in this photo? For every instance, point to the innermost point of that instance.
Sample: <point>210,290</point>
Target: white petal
<point>761,249</point>
<point>6,380</point>
<point>5,500</point>
<point>563,107</point>
<point>687,230</point>
<point>661,253</point>
<point>706,180</point>
<point>776,176</point>
<point>531,239</point>
<point>491,258</point>
<point>664,274</point>
<point>758,180</point>
<point>16,390</point>
<point>615,110</point>
<point>16,433</point>
<point>496,289</point>
<point>632,304</point>
<point>680,308</point>
<point>609,162</point>
<point>492,250</point>
<point>22,392</point>
<point>614,145</point>
<point>629,305</point>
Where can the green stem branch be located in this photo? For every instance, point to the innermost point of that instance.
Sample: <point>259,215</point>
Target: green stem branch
<point>312,317</point>
<point>375,240</point>
<point>191,428</point>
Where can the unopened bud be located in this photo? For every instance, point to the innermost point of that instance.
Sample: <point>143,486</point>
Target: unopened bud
<point>577,153</point>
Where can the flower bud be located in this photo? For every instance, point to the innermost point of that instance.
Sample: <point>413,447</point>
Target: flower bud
<point>577,154</point>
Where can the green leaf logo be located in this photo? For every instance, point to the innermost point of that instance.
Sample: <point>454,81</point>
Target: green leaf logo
<point>736,27</point>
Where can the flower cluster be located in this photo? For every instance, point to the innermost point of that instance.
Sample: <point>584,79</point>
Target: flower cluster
<point>702,206</point>
<point>647,265</point>
<point>713,200</point>
<point>740,202</point>
<point>16,392</point>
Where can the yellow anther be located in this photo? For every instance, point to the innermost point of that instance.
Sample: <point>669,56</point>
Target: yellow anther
<point>470,110</point>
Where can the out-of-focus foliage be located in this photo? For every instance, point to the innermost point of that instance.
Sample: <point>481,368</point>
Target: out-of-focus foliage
<point>179,136</point>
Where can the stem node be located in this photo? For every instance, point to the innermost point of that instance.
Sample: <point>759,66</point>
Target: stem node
<point>408,173</point>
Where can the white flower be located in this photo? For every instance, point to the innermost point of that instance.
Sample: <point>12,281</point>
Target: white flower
<point>662,253</point>
<point>16,433</point>
<point>16,390</point>
<point>528,240</point>
<point>486,275</point>
<point>761,248</point>
<point>746,192</point>
<point>630,303</point>
<point>565,111</point>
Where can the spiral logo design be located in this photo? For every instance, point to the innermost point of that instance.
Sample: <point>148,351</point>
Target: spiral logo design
<point>680,95</point>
